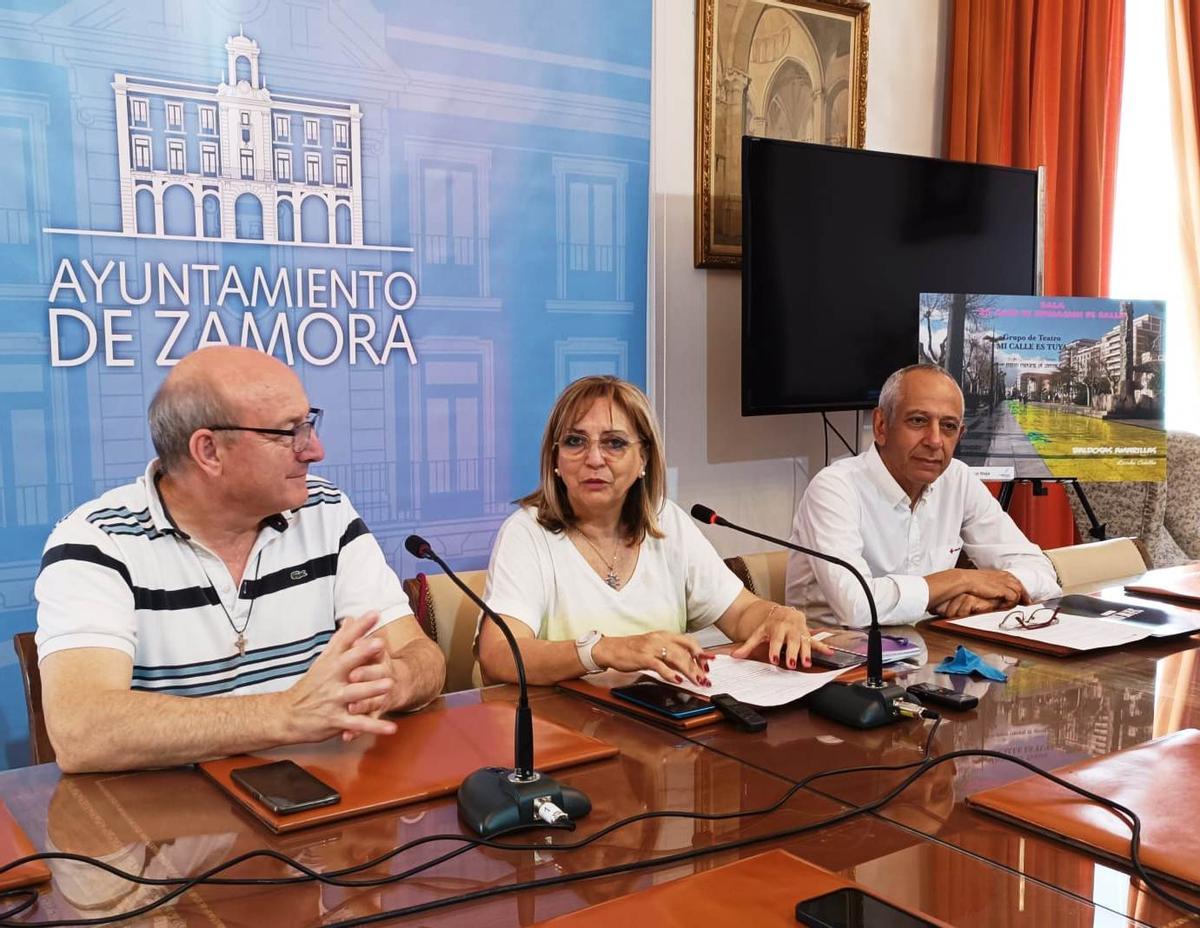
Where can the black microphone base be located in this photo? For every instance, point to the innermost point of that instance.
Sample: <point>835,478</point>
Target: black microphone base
<point>491,800</point>
<point>857,705</point>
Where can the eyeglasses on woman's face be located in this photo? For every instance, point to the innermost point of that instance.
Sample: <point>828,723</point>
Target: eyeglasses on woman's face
<point>574,446</point>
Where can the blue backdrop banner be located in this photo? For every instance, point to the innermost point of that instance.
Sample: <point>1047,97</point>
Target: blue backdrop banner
<point>435,212</point>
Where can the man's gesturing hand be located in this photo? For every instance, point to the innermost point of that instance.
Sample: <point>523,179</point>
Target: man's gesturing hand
<point>380,666</point>
<point>322,702</point>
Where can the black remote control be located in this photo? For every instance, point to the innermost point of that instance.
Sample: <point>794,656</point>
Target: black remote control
<point>744,717</point>
<point>943,696</point>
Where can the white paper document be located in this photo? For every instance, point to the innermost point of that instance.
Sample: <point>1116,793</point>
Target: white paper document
<point>756,683</point>
<point>1071,631</point>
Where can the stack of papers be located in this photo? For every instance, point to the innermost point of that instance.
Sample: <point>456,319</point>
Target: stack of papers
<point>756,683</point>
<point>1070,631</point>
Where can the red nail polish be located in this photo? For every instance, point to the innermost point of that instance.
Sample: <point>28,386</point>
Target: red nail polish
<point>792,662</point>
<point>774,659</point>
<point>678,678</point>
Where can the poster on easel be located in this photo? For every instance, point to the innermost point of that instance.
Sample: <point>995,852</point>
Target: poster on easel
<point>1053,386</point>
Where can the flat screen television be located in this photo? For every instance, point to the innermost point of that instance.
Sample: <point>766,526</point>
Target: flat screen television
<point>837,245</point>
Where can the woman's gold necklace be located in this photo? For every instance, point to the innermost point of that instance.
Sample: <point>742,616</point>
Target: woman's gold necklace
<point>612,579</point>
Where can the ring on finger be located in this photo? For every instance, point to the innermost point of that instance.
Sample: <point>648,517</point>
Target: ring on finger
<point>662,653</point>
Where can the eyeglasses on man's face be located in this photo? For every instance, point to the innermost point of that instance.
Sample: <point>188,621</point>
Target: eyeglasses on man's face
<point>613,447</point>
<point>301,434</point>
<point>1042,617</point>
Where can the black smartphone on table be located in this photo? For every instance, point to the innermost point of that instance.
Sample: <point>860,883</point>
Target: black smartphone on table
<point>852,908</point>
<point>663,699</point>
<point>837,659</point>
<point>285,787</point>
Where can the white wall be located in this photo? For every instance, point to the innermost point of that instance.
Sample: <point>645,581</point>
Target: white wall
<point>751,470</point>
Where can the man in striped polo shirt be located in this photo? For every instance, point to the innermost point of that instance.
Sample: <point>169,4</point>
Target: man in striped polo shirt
<point>225,570</point>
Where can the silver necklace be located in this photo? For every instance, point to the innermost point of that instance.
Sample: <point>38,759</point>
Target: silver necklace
<point>241,632</point>
<point>612,579</point>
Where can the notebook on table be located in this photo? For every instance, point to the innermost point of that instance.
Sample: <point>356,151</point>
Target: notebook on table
<point>430,754</point>
<point>854,641</point>
<point>15,844</point>
<point>1180,583</point>
<point>1082,624</point>
<point>1158,780</point>
<point>761,891</point>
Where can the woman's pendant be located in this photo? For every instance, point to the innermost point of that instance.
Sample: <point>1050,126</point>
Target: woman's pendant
<point>612,579</point>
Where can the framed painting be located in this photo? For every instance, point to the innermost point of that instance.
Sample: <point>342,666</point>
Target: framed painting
<point>784,69</point>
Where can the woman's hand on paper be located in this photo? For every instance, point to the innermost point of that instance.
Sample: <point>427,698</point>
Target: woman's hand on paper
<point>673,657</point>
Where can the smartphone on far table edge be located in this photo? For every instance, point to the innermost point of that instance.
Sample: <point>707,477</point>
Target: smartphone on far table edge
<point>852,908</point>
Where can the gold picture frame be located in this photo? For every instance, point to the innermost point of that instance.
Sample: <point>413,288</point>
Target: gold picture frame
<point>790,69</point>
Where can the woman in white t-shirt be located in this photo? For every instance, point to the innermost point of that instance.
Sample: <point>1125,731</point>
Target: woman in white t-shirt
<point>598,570</point>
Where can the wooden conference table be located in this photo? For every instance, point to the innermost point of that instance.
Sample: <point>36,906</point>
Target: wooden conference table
<point>926,849</point>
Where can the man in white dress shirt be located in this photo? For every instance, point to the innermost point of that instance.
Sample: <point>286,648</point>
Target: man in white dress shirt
<point>902,512</point>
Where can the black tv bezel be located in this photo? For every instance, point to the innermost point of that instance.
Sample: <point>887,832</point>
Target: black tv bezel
<point>851,405</point>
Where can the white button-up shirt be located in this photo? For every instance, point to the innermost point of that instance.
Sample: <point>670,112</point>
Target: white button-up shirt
<point>855,510</point>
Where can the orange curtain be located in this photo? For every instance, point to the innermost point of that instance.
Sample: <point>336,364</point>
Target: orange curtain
<point>1034,82</point>
<point>1038,82</point>
<point>1183,75</point>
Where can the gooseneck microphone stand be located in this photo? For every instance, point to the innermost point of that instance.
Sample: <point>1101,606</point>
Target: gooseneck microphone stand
<point>868,704</point>
<point>495,799</point>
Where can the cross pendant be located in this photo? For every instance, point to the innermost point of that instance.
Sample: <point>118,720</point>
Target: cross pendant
<point>241,645</point>
<point>613,580</point>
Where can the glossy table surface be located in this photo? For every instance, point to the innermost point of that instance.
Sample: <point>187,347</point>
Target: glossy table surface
<point>1051,711</point>
<point>175,823</point>
<point>926,849</point>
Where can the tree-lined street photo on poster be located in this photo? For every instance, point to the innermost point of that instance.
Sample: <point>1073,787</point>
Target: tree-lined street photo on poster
<point>1053,386</point>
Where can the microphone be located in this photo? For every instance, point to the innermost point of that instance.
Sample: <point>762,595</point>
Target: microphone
<point>868,704</point>
<point>495,799</point>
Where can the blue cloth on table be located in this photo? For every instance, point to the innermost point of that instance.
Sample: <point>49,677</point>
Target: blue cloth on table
<point>967,661</point>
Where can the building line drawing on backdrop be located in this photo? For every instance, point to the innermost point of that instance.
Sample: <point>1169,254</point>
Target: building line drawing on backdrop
<point>241,163</point>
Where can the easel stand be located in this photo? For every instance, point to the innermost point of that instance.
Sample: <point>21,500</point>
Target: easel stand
<point>1098,531</point>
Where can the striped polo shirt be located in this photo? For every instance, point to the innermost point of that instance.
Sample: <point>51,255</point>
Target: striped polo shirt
<point>117,573</point>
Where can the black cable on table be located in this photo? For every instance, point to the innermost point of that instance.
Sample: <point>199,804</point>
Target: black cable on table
<point>923,767</point>
<point>929,737</point>
<point>209,877</point>
<point>919,768</point>
<point>29,901</point>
